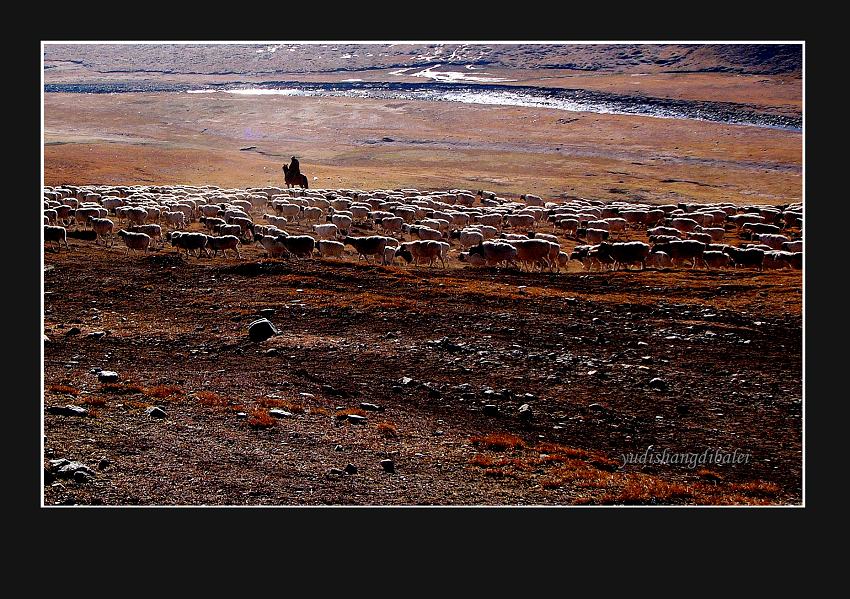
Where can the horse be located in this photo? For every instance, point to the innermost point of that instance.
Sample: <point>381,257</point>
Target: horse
<point>292,175</point>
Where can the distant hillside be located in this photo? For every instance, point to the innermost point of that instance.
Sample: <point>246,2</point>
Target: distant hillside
<point>317,58</point>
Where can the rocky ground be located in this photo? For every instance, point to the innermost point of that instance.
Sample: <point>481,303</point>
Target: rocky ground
<point>428,368</point>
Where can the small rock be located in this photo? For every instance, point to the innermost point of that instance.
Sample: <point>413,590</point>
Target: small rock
<point>73,331</point>
<point>397,389</point>
<point>572,301</point>
<point>338,448</point>
<point>658,384</point>
<point>371,407</point>
<point>525,412</point>
<point>335,472</point>
<point>596,407</point>
<point>355,419</point>
<point>155,412</point>
<point>278,413</point>
<point>491,410</point>
<point>103,463</point>
<point>266,312</point>
<point>351,469</point>
<point>241,415</point>
<point>406,380</point>
<point>261,329</point>
<point>96,334</point>
<point>107,376</point>
<point>67,410</point>
<point>388,466</point>
<point>64,468</point>
<point>272,351</point>
<point>80,476</point>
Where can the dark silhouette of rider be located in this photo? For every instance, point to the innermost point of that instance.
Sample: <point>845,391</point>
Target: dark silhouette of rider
<point>294,168</point>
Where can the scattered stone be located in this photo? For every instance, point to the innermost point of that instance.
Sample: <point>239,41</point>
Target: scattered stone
<point>278,413</point>
<point>107,376</point>
<point>658,384</point>
<point>391,335</point>
<point>155,412</point>
<point>96,334</point>
<point>596,407</point>
<point>81,476</point>
<point>241,415</point>
<point>525,412</point>
<point>406,380</point>
<point>73,331</point>
<point>356,419</point>
<point>572,301</point>
<point>64,468</point>
<point>439,433</point>
<point>261,329</point>
<point>338,448</point>
<point>67,410</point>
<point>335,472</point>
<point>307,395</point>
<point>491,410</point>
<point>273,351</point>
<point>351,469</point>
<point>103,463</point>
<point>371,407</point>
<point>388,466</point>
<point>266,312</point>
<point>397,389</point>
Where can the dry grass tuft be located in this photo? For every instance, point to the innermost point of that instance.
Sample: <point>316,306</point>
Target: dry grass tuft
<point>498,442</point>
<point>94,401</point>
<point>353,411</point>
<point>320,411</point>
<point>212,400</point>
<point>122,388</point>
<point>66,389</point>
<point>385,429</point>
<point>164,391</point>
<point>260,419</point>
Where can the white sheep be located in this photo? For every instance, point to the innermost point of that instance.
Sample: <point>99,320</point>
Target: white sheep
<point>135,241</point>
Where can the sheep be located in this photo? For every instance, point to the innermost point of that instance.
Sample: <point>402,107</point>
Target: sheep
<point>659,260</point>
<point>368,246</point>
<point>532,252</point>
<point>63,214</point>
<point>615,225</point>
<point>716,233</point>
<point>595,236</point>
<point>389,255</point>
<point>58,235</point>
<point>513,236</point>
<point>776,260</point>
<point>684,225</point>
<point>278,221</point>
<point>425,233</point>
<point>189,241</point>
<point>223,243</point>
<point>745,257</point>
<point>546,236</point>
<point>467,237</point>
<point>51,216</point>
<point>342,221</point>
<point>135,241</point>
<point>569,226</point>
<point>81,215</point>
<point>246,224</point>
<point>102,227</point>
<point>290,211</point>
<point>235,230</point>
<point>416,251</point>
<point>627,253</point>
<point>518,221</point>
<point>495,253</point>
<point>774,241</point>
<point>682,249</point>
<point>273,244</point>
<point>793,246</point>
<point>583,254</point>
<point>670,231</point>
<point>312,213</point>
<point>210,223</point>
<point>300,246</point>
<point>796,260</point>
<point>715,259</point>
<point>209,210</point>
<point>491,220</point>
<point>328,248</point>
<point>176,220</point>
<point>700,236</point>
<point>486,230</point>
<point>152,231</point>
<point>472,259</point>
<point>634,217</point>
<point>392,224</point>
<point>561,261</point>
<point>152,215</point>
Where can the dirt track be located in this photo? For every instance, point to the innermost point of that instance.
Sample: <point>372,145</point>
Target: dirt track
<point>728,344</point>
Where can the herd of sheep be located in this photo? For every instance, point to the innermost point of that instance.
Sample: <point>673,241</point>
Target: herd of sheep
<point>480,228</point>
